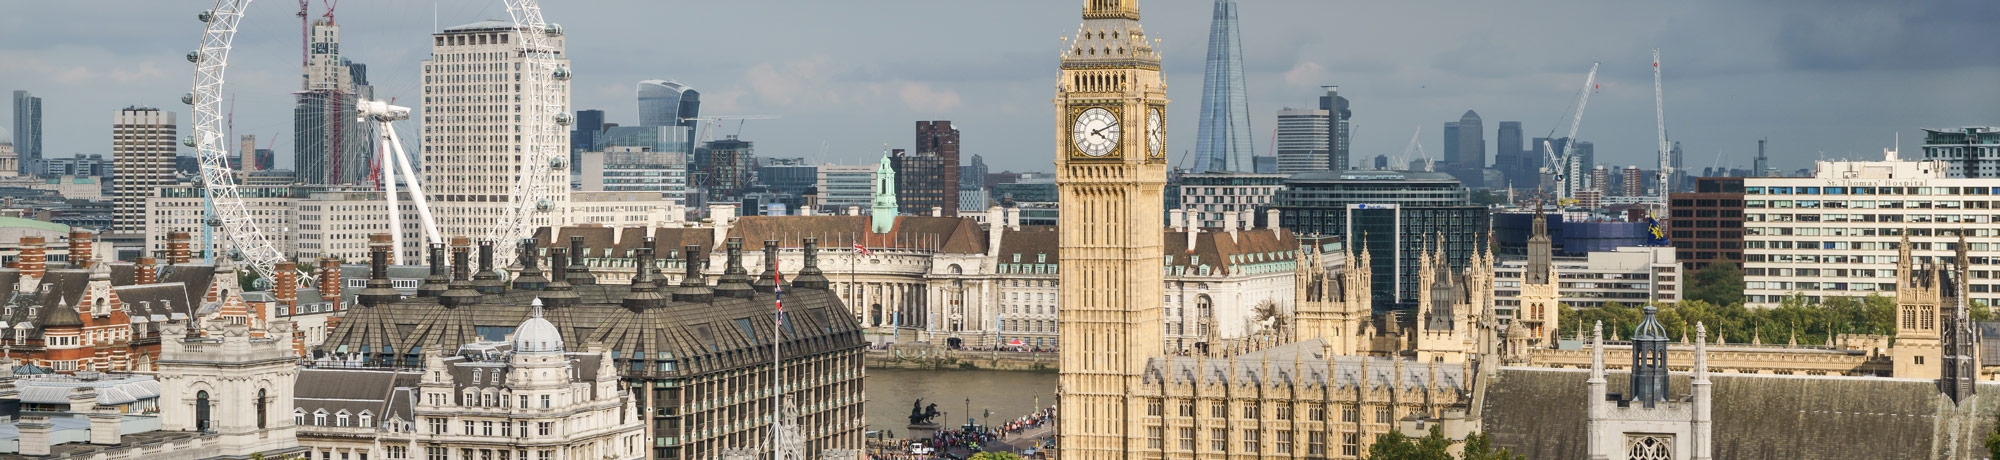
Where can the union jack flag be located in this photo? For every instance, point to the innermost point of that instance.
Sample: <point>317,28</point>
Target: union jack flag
<point>862,250</point>
<point>780,295</point>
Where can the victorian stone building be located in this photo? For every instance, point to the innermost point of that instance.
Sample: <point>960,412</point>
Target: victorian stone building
<point>528,398</point>
<point>698,356</point>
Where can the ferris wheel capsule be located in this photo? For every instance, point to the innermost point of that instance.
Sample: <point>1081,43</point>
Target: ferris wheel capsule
<point>564,119</point>
<point>562,73</point>
<point>554,30</point>
<point>194,56</point>
<point>544,205</point>
<point>205,15</point>
<point>187,141</point>
<point>187,98</point>
<point>558,164</point>
<point>262,284</point>
<point>214,222</point>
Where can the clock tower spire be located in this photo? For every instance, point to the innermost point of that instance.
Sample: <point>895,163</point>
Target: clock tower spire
<point>1110,178</point>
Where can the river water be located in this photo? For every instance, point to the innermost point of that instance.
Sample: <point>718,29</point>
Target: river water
<point>1008,394</point>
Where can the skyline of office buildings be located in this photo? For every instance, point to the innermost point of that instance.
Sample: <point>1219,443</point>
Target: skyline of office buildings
<point>472,143</point>
<point>27,130</point>
<point>143,145</point>
<point>329,145</point>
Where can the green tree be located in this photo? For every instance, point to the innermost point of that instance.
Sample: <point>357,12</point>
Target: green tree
<point>995,456</point>
<point>1993,442</point>
<point>1720,283</point>
<point>1395,446</point>
<point>1480,447</point>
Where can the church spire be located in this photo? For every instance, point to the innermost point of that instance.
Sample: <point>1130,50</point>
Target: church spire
<point>1649,360</point>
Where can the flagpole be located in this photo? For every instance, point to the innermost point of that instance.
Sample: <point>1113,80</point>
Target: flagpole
<point>777,363</point>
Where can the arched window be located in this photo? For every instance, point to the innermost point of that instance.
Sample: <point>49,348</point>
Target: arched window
<point>1648,448</point>
<point>262,410</point>
<point>201,410</point>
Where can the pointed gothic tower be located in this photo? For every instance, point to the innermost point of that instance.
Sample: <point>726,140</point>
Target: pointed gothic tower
<point>1916,351</point>
<point>1538,287</point>
<point>1960,365</point>
<point>1110,109</point>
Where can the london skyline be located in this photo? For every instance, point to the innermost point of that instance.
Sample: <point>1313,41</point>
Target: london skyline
<point>1840,79</point>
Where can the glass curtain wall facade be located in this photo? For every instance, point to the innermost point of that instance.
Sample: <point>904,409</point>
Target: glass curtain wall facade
<point>1396,215</point>
<point>1222,141</point>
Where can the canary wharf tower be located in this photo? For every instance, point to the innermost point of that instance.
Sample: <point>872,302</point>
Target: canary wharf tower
<point>1222,142</point>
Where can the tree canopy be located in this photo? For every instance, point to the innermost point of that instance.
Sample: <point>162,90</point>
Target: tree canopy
<point>1434,446</point>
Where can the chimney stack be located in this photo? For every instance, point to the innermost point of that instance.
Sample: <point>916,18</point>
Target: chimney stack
<point>557,293</point>
<point>459,292</point>
<point>143,272</point>
<point>531,277</point>
<point>177,248</point>
<point>809,276</point>
<point>1271,220</point>
<point>34,435</point>
<point>579,274</point>
<point>643,294</point>
<point>1014,218</point>
<point>937,211</point>
<point>80,242</point>
<point>380,290</point>
<point>104,429</point>
<point>1176,218</point>
<point>735,280</point>
<point>329,280</point>
<point>767,282</point>
<point>437,282</point>
<point>854,210</point>
<point>34,257</point>
<point>693,287</point>
<point>487,281</point>
<point>1229,224</point>
<point>285,284</point>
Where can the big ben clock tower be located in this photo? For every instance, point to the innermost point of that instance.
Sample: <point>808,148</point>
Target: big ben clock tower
<point>1110,174</point>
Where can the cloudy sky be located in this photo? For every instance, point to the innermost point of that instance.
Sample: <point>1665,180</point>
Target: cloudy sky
<point>1830,79</point>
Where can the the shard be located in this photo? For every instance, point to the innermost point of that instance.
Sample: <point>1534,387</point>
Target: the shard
<point>1222,142</point>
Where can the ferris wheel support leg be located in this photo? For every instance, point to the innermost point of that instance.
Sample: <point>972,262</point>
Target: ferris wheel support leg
<point>389,193</point>
<point>415,187</point>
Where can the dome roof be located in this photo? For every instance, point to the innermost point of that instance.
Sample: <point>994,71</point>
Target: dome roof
<point>537,335</point>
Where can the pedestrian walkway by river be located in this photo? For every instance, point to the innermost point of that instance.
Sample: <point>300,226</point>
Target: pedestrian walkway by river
<point>1008,394</point>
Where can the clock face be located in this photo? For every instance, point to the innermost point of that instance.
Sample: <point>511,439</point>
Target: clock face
<point>1155,134</point>
<point>1096,132</point>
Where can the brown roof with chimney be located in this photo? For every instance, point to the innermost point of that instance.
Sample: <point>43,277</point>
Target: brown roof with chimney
<point>957,235</point>
<point>1218,250</point>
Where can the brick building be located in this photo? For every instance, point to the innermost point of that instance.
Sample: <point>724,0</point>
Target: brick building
<point>1707,224</point>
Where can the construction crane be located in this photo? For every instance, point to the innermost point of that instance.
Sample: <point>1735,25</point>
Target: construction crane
<point>1414,147</point>
<point>1666,172</point>
<point>714,122</point>
<point>1564,165</point>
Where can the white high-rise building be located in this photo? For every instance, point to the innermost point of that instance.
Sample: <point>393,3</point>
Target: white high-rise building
<point>142,160</point>
<point>475,136</point>
<point>1837,234</point>
<point>1302,140</point>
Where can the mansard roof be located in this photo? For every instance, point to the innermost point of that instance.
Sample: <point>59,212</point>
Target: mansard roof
<point>353,390</point>
<point>1540,413</point>
<point>1227,255</point>
<point>701,337</point>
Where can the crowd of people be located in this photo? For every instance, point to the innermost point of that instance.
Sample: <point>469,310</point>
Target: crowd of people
<point>1028,422</point>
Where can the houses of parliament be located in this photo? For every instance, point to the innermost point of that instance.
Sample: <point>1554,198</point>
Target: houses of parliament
<point>1339,374</point>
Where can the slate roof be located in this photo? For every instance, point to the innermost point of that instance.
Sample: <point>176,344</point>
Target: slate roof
<point>1227,255</point>
<point>1541,413</point>
<point>1311,370</point>
<point>353,390</point>
<point>111,389</point>
<point>704,337</point>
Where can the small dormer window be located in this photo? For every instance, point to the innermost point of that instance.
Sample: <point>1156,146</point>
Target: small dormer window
<point>340,419</point>
<point>319,417</point>
<point>298,416</point>
<point>367,420</point>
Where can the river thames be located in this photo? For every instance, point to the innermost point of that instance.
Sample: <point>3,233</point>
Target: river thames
<point>1008,394</point>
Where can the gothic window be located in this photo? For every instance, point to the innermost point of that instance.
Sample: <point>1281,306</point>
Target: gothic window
<point>1648,448</point>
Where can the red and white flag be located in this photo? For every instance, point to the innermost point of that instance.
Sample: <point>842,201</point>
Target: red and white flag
<point>780,297</point>
<point>859,249</point>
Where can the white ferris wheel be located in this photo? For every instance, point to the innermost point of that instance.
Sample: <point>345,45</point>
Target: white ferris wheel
<point>242,239</point>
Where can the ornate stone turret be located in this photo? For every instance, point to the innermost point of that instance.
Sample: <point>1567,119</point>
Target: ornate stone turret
<point>1538,311</point>
<point>558,293</point>
<point>735,281</point>
<point>693,288</point>
<point>380,290</point>
<point>643,294</point>
<point>1960,367</point>
<point>767,282</point>
<point>438,281</point>
<point>1649,361</point>
<point>487,281</point>
<point>809,276</point>
<point>579,274</point>
<point>460,294</point>
<point>531,277</point>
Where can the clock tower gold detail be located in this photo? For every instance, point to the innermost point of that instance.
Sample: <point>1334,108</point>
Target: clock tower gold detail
<point>1110,179</point>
